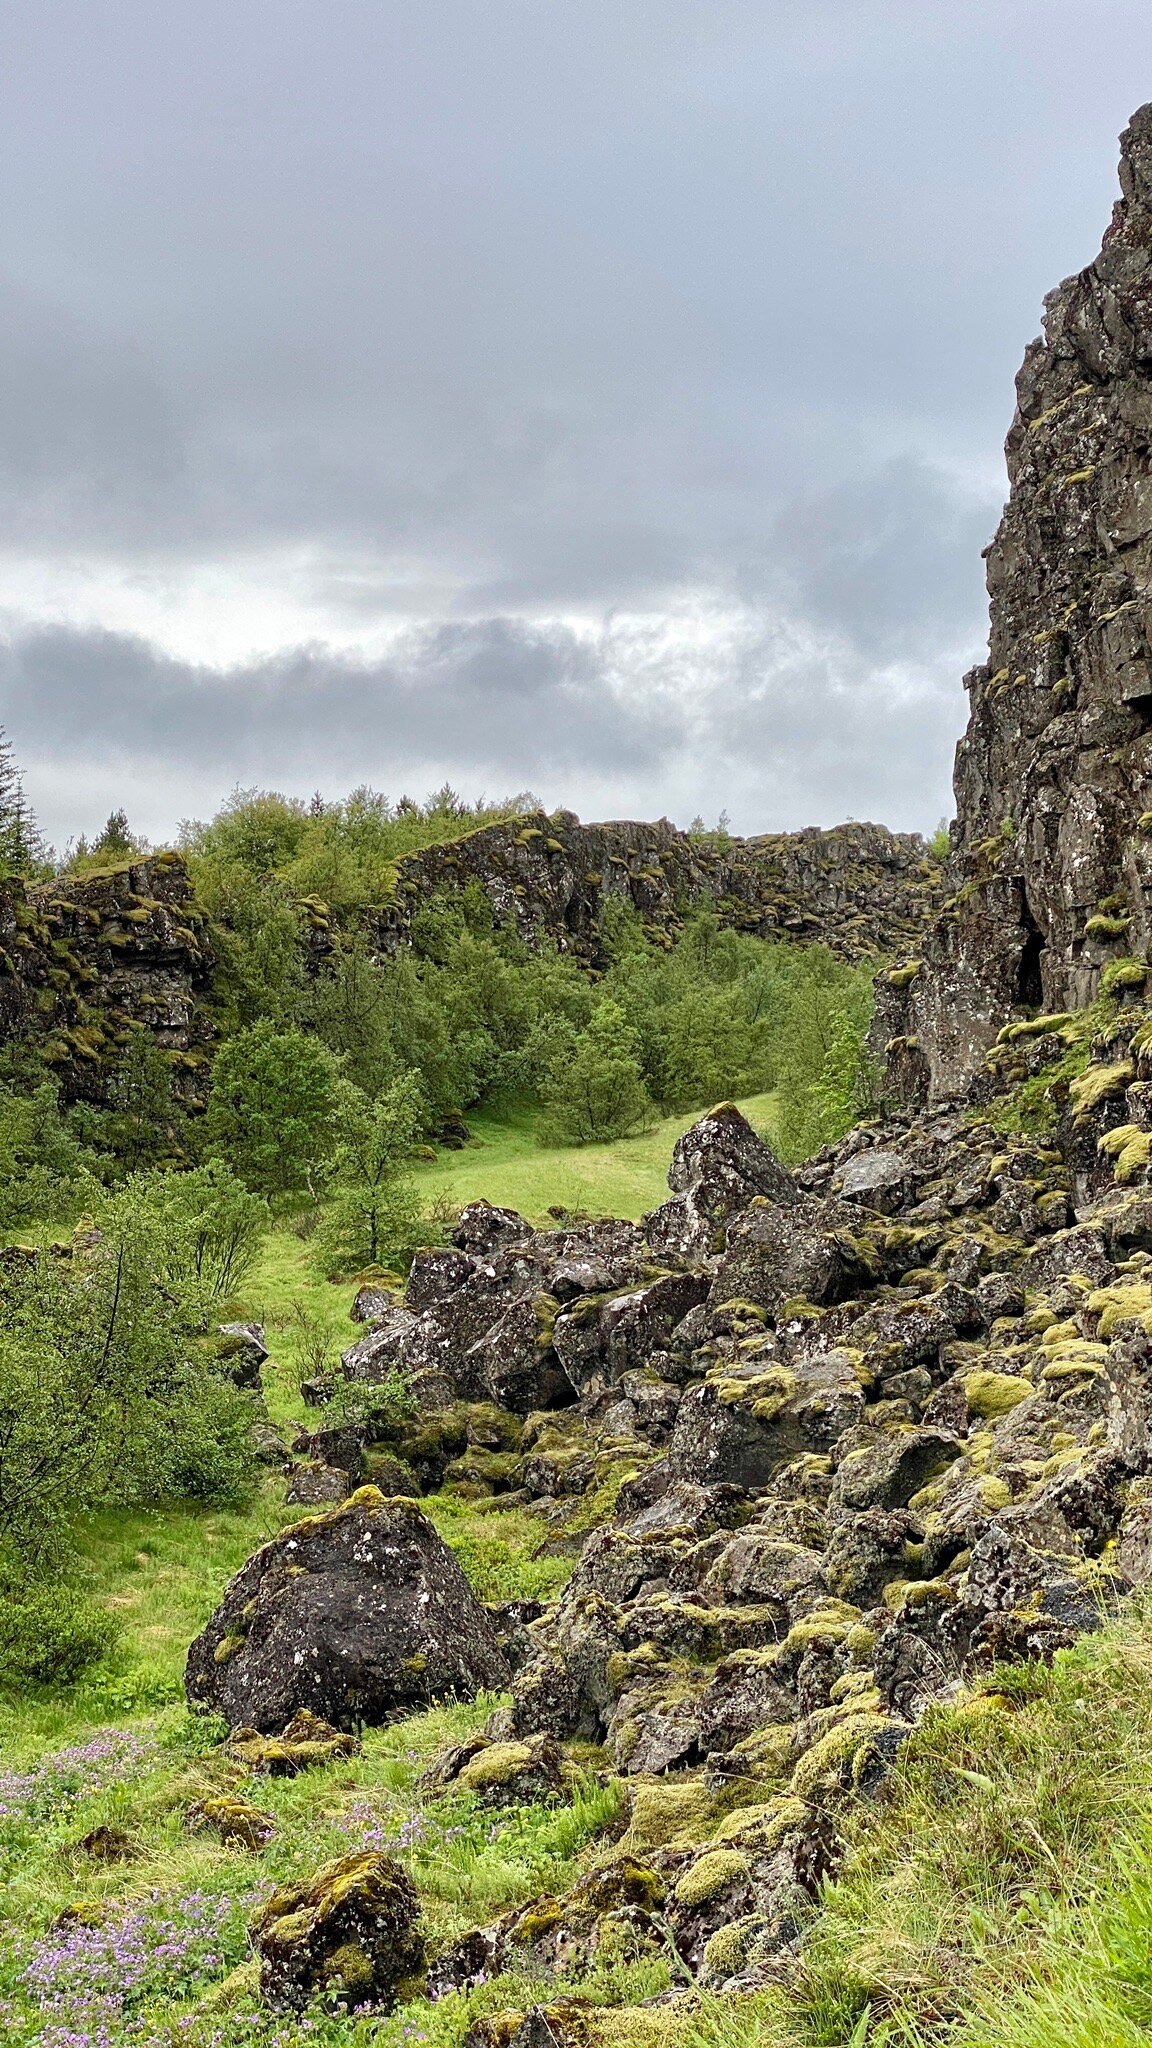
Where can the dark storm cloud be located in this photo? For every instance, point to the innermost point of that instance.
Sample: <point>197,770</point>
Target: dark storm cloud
<point>564,314</point>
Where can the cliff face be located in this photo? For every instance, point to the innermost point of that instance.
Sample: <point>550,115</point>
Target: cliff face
<point>83,962</point>
<point>859,888</point>
<point>1052,868</point>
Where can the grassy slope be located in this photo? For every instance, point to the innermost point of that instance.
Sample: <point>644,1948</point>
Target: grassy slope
<point>506,1165</point>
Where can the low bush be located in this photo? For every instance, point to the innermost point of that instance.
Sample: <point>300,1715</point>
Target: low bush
<point>49,1635</point>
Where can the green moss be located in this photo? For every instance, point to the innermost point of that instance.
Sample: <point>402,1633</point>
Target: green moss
<point>719,1870</point>
<point>845,1752</point>
<point>1036,1027</point>
<point>993,1394</point>
<point>1096,1085</point>
<point>668,1809</point>
<point>1122,975</point>
<point>1129,1148</point>
<point>761,1829</point>
<point>1121,1304</point>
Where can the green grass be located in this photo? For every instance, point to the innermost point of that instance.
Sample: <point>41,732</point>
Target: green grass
<point>505,1164</point>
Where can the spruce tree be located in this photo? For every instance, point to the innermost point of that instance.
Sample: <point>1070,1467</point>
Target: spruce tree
<point>21,847</point>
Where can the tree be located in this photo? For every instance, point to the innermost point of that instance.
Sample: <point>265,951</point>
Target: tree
<point>107,1389</point>
<point>44,1172</point>
<point>597,1092</point>
<point>373,1215</point>
<point>116,842</point>
<point>351,1010</point>
<point>273,1108</point>
<point>21,846</point>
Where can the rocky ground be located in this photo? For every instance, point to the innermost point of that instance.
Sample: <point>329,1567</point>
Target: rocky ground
<point>825,1445</point>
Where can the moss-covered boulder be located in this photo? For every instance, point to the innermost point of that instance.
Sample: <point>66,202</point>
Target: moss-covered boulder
<point>231,1819</point>
<point>351,1930</point>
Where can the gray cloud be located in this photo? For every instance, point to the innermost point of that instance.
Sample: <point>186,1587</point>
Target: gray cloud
<point>567,320</point>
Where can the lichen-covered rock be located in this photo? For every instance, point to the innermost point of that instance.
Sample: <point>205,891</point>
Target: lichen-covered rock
<point>741,1423</point>
<point>312,1484</point>
<point>382,1349</point>
<point>483,1228</point>
<point>809,1251</point>
<point>504,1773</point>
<point>876,1178</point>
<point>859,889</point>
<point>371,1303</point>
<point>351,1930</point>
<point>242,1348</point>
<point>358,1614</point>
<point>599,1338</point>
<point>85,958</point>
<point>718,1167</point>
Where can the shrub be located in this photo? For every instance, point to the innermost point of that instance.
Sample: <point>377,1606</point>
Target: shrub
<point>596,1091</point>
<point>206,1228</point>
<point>105,1391</point>
<point>49,1635</point>
<point>272,1112</point>
<point>373,1214</point>
<point>43,1170</point>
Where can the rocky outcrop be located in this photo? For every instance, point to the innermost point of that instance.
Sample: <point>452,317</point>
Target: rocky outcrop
<point>858,888</point>
<point>89,959</point>
<point>360,1614</point>
<point>718,1168</point>
<point>1051,877</point>
<point>889,1427</point>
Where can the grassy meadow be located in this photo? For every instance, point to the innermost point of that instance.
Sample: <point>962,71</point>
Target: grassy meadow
<point>505,1163</point>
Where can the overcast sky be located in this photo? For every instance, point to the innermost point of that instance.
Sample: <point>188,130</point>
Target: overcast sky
<point>602,397</point>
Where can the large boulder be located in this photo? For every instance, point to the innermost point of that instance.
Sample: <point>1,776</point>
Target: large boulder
<point>717,1168</point>
<point>484,1228</point>
<point>600,1337</point>
<point>381,1351</point>
<point>241,1348</point>
<point>810,1250</point>
<point>359,1614</point>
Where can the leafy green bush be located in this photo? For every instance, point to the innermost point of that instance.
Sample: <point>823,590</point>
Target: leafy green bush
<point>372,1215</point>
<point>595,1090</point>
<point>107,1391</point>
<point>49,1635</point>
<point>44,1170</point>
<point>273,1109</point>
<point>206,1226</point>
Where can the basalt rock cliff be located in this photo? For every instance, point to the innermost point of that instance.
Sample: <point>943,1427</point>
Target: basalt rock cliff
<point>88,958</point>
<point>85,962</point>
<point>1051,875</point>
<point>858,888</point>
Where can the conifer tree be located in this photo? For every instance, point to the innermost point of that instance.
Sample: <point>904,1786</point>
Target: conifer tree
<point>21,847</point>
